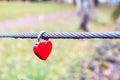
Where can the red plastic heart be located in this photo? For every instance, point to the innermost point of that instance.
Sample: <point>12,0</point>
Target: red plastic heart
<point>42,49</point>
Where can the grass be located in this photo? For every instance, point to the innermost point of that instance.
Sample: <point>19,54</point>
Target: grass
<point>11,10</point>
<point>106,22</point>
<point>17,61</point>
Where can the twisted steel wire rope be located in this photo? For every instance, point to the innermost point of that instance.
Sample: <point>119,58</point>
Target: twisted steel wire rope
<point>66,35</point>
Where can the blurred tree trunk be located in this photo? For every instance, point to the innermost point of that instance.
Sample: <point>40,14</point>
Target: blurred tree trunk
<point>85,10</point>
<point>118,13</point>
<point>74,2</point>
<point>96,2</point>
<point>59,1</point>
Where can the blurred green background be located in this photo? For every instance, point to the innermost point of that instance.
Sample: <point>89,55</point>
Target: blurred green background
<point>17,60</point>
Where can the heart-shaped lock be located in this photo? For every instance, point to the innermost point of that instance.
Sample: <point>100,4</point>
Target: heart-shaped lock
<point>42,49</point>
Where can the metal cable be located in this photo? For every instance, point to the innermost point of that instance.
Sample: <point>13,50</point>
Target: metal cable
<point>71,35</point>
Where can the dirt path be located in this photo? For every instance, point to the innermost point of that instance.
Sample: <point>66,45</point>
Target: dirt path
<point>32,19</point>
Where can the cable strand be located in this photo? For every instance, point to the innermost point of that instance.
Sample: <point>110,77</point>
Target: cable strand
<point>71,35</point>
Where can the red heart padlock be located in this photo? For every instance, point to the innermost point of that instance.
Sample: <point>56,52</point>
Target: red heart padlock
<point>43,49</point>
